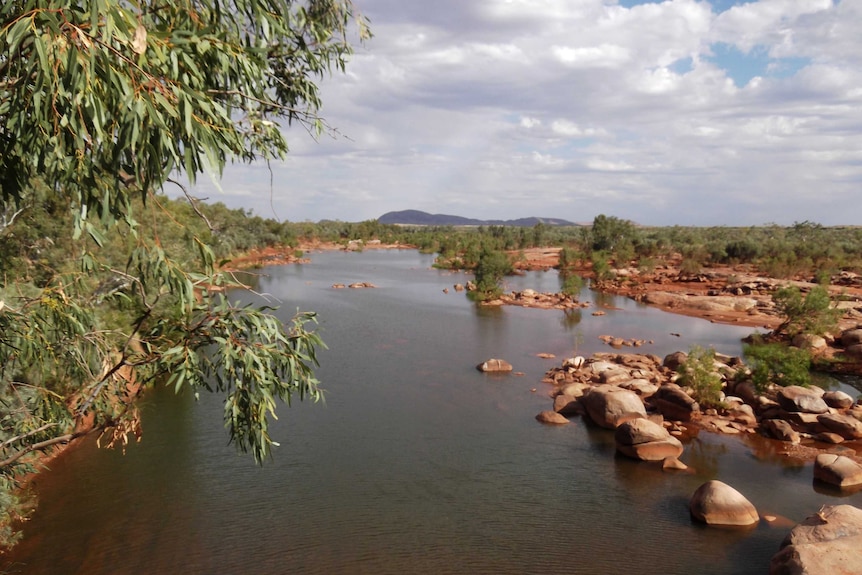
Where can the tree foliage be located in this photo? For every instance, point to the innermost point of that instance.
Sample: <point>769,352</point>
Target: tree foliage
<point>492,267</point>
<point>774,363</point>
<point>809,314</point>
<point>102,104</point>
<point>698,372</point>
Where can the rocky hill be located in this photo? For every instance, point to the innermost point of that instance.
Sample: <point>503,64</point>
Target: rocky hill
<point>420,218</point>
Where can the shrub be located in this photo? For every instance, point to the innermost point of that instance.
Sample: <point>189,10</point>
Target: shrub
<point>779,364</point>
<point>812,314</point>
<point>492,266</point>
<point>698,373</point>
<point>601,268</point>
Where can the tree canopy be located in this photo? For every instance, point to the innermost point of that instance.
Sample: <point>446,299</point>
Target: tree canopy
<point>102,104</point>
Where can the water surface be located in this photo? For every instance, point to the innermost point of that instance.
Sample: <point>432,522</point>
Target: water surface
<point>416,462</point>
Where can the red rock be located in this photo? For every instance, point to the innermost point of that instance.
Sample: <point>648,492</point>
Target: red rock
<point>717,503</point>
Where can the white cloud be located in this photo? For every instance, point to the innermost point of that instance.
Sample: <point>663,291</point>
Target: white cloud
<point>570,108</point>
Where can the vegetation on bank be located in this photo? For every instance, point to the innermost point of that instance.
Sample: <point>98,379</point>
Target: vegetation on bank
<point>106,285</point>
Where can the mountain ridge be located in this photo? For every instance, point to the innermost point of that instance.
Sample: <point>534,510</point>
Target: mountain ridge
<point>420,218</point>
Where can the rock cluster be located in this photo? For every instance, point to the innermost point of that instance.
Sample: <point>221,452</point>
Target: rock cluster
<point>613,389</point>
<point>532,298</point>
<point>355,285</point>
<point>637,396</point>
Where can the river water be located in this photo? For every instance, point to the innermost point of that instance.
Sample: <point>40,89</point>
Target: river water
<point>416,462</point>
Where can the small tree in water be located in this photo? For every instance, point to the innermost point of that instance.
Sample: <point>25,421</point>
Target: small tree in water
<point>698,373</point>
<point>492,267</point>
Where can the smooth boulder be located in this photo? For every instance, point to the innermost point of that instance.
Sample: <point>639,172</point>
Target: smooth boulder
<point>846,426</point>
<point>837,470</point>
<point>826,543</point>
<point>717,503</point>
<point>781,430</point>
<point>673,403</point>
<point>838,399</point>
<point>609,406</point>
<point>645,440</point>
<point>796,398</point>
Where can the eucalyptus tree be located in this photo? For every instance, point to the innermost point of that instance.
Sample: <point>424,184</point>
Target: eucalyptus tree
<point>108,102</point>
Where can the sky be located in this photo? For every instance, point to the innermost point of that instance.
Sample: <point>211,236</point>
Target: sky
<point>680,112</point>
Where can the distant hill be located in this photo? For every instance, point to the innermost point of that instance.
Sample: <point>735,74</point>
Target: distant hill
<point>419,218</point>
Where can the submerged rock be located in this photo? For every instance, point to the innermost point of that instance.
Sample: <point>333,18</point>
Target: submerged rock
<point>494,365</point>
<point>551,417</point>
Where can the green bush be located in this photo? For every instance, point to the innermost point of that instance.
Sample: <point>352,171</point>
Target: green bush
<point>492,267</point>
<point>601,267</point>
<point>779,364</point>
<point>698,373</point>
<point>812,314</point>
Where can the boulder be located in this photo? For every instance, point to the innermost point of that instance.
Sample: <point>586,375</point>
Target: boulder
<point>837,470</point>
<point>642,387</point>
<point>717,503</point>
<point>674,360</point>
<point>809,342</point>
<point>780,429</point>
<point>826,543</point>
<point>551,417</point>
<point>673,403</point>
<point>838,399</point>
<point>742,413</point>
<point>746,391</point>
<point>851,337</point>
<point>801,399</point>
<point>854,350</point>
<point>615,376</point>
<point>645,440</point>
<point>567,405</point>
<point>609,406</point>
<point>576,362</point>
<point>844,425</point>
<point>828,437</point>
<point>573,390</point>
<point>494,365</point>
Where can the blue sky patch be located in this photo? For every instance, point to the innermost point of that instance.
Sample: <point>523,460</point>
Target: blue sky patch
<point>741,66</point>
<point>681,66</point>
<point>718,6</point>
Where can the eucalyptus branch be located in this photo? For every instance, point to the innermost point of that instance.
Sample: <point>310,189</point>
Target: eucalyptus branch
<point>23,436</point>
<point>193,202</point>
<point>38,447</point>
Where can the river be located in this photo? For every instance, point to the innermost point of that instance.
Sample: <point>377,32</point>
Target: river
<point>416,462</point>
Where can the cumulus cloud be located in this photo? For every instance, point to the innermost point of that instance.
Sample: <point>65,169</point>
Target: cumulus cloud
<point>674,112</point>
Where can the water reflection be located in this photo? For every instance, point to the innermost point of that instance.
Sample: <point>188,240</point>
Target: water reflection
<point>571,318</point>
